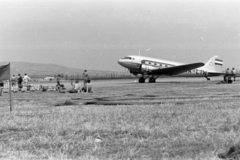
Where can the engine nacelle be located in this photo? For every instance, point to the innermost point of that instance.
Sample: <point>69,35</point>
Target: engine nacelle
<point>133,72</point>
<point>146,68</point>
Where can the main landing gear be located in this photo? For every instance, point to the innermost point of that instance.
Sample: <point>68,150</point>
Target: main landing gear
<point>151,79</point>
<point>141,80</point>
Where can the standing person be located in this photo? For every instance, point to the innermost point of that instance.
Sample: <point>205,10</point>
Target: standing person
<point>227,73</point>
<point>1,87</point>
<point>233,73</point>
<point>13,80</point>
<point>86,78</point>
<point>19,79</point>
<point>58,82</point>
<point>26,79</point>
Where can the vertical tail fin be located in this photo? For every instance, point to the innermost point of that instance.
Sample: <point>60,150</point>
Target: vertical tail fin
<point>214,64</point>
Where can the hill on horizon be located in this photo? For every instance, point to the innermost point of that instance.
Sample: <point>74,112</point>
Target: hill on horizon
<point>48,69</point>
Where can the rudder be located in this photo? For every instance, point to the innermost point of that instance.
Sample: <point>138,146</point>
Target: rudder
<point>215,64</point>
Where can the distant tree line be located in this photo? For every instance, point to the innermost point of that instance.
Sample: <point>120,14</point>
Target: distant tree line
<point>108,75</point>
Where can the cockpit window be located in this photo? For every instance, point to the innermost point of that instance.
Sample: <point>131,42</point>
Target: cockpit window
<point>127,58</point>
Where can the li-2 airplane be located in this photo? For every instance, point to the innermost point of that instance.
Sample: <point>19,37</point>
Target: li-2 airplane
<point>152,68</point>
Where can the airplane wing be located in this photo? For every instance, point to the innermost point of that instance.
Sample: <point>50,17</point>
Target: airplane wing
<point>177,69</point>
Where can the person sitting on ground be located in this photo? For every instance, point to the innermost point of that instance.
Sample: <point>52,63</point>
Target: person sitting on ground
<point>75,88</point>
<point>87,88</point>
<point>44,88</point>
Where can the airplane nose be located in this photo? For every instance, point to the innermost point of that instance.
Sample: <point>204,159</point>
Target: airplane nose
<point>120,61</point>
<point>127,63</point>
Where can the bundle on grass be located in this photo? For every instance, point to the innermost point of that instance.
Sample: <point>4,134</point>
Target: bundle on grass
<point>119,103</point>
<point>65,103</point>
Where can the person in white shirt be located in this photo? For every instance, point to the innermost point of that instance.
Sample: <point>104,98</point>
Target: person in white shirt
<point>14,80</point>
<point>26,79</point>
<point>75,88</point>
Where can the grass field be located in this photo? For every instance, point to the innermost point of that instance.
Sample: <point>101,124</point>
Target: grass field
<point>177,118</point>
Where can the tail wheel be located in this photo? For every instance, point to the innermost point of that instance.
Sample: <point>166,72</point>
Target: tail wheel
<point>141,80</point>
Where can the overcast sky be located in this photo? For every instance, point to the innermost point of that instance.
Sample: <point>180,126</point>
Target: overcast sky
<point>94,34</point>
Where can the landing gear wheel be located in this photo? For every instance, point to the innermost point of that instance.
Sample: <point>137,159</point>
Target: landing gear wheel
<point>152,80</point>
<point>208,79</point>
<point>141,80</point>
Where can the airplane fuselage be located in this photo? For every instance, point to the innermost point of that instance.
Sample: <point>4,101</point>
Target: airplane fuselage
<point>148,66</point>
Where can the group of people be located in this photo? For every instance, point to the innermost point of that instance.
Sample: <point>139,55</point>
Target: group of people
<point>19,81</point>
<point>229,74</point>
<point>16,82</point>
<point>76,87</point>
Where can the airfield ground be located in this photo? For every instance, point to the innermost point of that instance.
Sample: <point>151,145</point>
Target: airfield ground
<point>175,118</point>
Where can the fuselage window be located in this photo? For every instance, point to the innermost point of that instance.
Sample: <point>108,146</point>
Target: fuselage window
<point>146,62</point>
